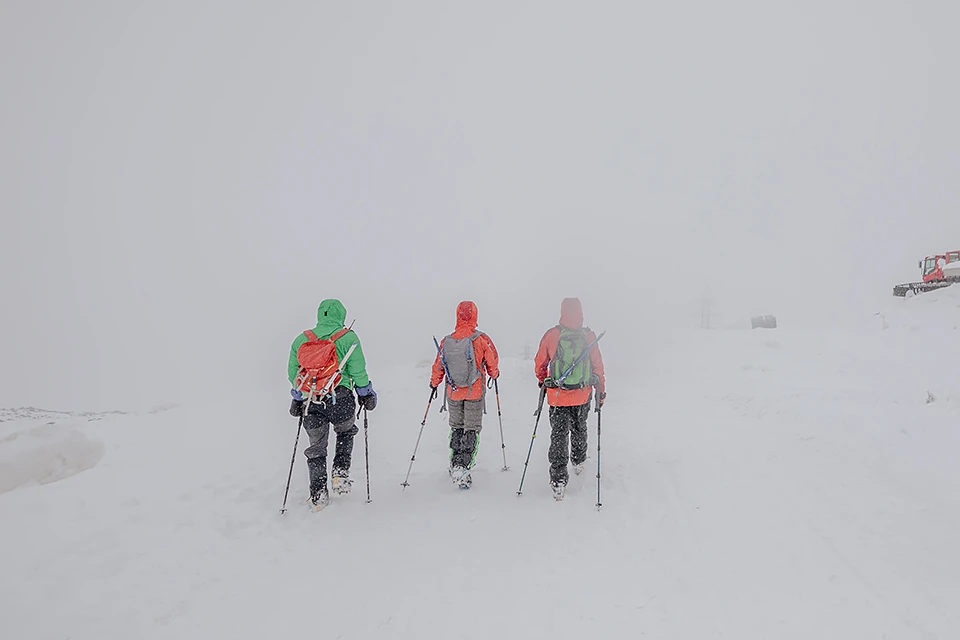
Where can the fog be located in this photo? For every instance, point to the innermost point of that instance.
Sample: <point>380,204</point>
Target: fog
<point>181,183</point>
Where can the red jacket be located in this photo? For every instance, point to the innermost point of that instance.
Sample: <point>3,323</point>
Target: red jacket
<point>571,317</point>
<point>484,352</point>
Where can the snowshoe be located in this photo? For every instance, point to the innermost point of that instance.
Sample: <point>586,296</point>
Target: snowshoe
<point>461,477</point>
<point>558,490</point>
<point>320,500</point>
<point>342,483</point>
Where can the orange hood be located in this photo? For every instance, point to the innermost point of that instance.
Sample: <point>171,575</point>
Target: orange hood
<point>571,313</point>
<point>467,315</point>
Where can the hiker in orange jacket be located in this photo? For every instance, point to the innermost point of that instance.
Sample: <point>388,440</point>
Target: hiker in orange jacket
<point>569,399</point>
<point>468,357</point>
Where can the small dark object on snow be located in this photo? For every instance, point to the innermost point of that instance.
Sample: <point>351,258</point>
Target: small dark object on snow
<point>763,322</point>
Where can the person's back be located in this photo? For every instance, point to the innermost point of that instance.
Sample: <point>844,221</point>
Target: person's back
<point>569,380</point>
<point>334,405</point>
<point>467,356</point>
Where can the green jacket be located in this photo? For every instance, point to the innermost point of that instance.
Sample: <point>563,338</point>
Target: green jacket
<point>330,318</point>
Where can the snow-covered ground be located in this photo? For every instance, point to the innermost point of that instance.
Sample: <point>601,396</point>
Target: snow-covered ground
<point>757,484</point>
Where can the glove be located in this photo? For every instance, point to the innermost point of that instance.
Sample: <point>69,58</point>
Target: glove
<point>367,397</point>
<point>601,397</point>
<point>296,408</point>
<point>296,405</point>
<point>540,384</point>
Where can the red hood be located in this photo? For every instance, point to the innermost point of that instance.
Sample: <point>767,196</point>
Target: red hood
<point>466,320</point>
<point>571,313</point>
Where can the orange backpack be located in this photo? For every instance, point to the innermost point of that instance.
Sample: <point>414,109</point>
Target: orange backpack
<point>319,365</point>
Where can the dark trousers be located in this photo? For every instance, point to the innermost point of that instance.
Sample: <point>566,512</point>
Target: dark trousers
<point>568,439</point>
<point>341,414</point>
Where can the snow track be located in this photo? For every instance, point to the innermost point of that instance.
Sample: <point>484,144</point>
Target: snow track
<point>790,487</point>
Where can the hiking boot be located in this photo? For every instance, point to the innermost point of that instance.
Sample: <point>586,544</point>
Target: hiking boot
<point>457,474</point>
<point>558,490</point>
<point>342,483</point>
<point>461,477</point>
<point>320,499</point>
<point>578,468</point>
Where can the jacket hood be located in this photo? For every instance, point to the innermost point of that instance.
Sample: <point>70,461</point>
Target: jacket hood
<point>571,313</point>
<point>331,315</point>
<point>467,315</point>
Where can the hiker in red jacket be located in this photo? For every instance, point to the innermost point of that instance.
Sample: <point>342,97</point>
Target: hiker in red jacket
<point>468,357</point>
<point>569,398</point>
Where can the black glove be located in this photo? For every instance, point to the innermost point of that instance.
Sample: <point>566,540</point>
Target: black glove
<point>601,397</point>
<point>367,397</point>
<point>296,408</point>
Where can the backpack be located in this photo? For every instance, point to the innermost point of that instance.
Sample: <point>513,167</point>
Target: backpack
<point>462,368</point>
<point>570,346</point>
<point>318,363</point>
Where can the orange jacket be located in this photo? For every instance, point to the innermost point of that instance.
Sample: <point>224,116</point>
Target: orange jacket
<point>484,352</point>
<point>571,317</point>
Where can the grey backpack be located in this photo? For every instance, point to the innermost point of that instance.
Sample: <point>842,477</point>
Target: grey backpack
<point>460,360</point>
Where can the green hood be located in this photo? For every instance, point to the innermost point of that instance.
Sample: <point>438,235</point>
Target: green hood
<point>331,316</point>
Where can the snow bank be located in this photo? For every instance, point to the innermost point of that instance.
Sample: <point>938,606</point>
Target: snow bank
<point>44,454</point>
<point>935,312</point>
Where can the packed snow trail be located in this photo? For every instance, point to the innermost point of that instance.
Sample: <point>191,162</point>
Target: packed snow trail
<point>760,485</point>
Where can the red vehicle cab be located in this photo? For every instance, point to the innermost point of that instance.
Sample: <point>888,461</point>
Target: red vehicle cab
<point>933,266</point>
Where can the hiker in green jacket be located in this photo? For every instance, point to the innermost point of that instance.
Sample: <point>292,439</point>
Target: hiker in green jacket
<point>311,366</point>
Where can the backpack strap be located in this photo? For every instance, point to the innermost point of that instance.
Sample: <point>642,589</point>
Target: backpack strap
<point>472,352</point>
<point>339,334</point>
<point>313,337</point>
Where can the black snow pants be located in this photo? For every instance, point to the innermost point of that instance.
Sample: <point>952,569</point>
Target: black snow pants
<point>341,414</point>
<point>567,422</point>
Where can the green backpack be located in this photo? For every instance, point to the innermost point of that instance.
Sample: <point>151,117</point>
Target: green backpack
<point>570,346</point>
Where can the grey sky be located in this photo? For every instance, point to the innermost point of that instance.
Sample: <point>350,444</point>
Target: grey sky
<point>182,182</point>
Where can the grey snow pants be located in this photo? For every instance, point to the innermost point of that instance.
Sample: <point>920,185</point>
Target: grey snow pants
<point>466,418</point>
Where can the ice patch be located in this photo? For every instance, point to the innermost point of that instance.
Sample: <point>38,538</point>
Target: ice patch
<point>44,454</point>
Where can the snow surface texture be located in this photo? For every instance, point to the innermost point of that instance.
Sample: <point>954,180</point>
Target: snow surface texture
<point>757,484</point>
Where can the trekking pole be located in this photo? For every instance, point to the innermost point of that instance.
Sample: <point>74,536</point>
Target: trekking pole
<point>296,445</point>
<point>366,452</point>
<point>543,392</point>
<point>293,458</point>
<point>503,447</point>
<point>599,504</point>
<point>406,481</point>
